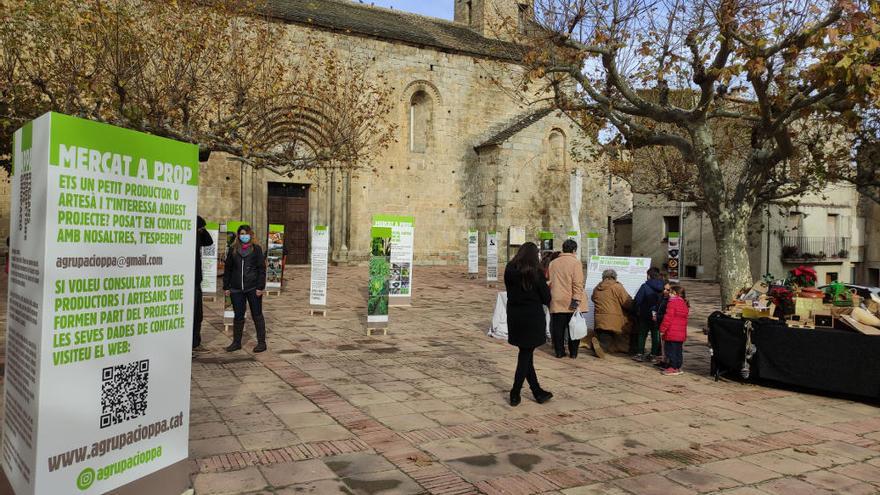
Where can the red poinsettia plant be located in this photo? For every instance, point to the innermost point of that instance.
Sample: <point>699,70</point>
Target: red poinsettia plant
<point>783,298</point>
<point>803,276</point>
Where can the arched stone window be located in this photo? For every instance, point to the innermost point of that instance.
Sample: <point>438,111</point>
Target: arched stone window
<point>557,153</point>
<point>420,121</point>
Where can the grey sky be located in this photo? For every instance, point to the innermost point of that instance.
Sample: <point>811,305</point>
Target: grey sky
<point>433,8</point>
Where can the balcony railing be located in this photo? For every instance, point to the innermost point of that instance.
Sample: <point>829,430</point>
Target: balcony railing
<point>803,248</point>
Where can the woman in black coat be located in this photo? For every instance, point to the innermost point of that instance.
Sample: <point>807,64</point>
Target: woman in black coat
<point>527,293</point>
<point>244,280</point>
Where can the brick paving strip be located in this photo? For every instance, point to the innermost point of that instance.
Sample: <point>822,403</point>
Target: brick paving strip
<point>311,450</point>
<point>434,477</point>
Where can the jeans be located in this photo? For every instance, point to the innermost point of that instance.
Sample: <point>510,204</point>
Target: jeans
<point>646,326</point>
<point>240,301</point>
<point>674,354</point>
<point>525,370</point>
<point>559,334</point>
<point>198,316</point>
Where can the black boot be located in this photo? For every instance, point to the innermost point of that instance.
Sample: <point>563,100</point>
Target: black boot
<point>260,325</point>
<point>237,331</point>
<point>542,396</point>
<point>515,398</point>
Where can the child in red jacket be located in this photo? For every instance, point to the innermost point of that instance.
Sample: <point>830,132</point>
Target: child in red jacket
<point>674,329</point>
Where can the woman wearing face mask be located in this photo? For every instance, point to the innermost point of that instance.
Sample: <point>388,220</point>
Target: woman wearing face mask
<point>244,280</point>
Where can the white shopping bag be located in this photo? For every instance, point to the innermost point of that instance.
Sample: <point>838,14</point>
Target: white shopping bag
<point>577,327</point>
<point>498,329</point>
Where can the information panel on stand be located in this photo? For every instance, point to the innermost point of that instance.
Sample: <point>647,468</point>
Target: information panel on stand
<point>673,263</point>
<point>492,256</point>
<point>320,250</point>
<point>209,260</point>
<point>101,291</point>
<point>275,257</point>
<point>400,286</point>
<point>473,252</point>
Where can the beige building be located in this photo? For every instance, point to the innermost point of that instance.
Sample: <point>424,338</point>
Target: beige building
<point>824,230</point>
<point>467,154</point>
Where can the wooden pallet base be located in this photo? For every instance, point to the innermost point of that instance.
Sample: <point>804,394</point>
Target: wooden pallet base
<point>209,298</point>
<point>314,311</point>
<point>276,292</point>
<point>491,284</point>
<point>370,330</point>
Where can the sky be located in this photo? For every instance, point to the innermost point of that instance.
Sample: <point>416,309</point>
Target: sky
<point>433,8</point>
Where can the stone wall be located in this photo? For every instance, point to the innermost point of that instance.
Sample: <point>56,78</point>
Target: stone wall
<point>531,184</point>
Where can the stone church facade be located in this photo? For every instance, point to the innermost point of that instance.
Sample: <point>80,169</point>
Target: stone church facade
<point>467,153</point>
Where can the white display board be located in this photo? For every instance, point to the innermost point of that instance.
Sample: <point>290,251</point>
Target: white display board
<point>320,250</point>
<point>473,252</point>
<point>492,256</point>
<point>100,306</point>
<point>631,272</point>
<point>209,260</point>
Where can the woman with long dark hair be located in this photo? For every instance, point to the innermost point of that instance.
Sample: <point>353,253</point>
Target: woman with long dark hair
<point>527,293</point>
<point>244,280</point>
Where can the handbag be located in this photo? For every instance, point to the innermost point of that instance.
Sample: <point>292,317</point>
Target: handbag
<point>577,326</point>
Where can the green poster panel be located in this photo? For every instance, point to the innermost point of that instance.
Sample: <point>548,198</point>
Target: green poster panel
<point>380,272</point>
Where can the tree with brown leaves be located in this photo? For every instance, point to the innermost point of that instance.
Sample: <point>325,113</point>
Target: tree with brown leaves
<point>730,104</point>
<point>219,74</point>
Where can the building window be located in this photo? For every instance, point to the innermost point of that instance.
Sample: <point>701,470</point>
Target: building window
<point>795,220</point>
<point>874,277</point>
<point>469,12</point>
<point>671,224</point>
<point>420,116</point>
<point>830,277</point>
<point>556,146</point>
<point>832,225</point>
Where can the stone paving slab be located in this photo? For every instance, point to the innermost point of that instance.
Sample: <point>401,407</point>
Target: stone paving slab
<point>424,410</point>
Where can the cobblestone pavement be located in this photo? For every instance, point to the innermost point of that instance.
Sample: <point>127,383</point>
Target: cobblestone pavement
<point>424,410</point>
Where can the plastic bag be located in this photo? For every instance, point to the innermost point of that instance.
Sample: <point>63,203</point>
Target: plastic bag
<point>577,326</point>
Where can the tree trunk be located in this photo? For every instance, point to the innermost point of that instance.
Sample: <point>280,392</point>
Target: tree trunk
<point>730,230</point>
<point>730,217</point>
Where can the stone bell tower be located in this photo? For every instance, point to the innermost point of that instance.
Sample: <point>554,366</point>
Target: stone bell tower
<point>500,19</point>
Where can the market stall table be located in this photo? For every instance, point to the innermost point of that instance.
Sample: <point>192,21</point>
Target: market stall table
<point>826,359</point>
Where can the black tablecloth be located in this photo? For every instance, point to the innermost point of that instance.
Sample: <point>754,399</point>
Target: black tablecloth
<point>825,359</point>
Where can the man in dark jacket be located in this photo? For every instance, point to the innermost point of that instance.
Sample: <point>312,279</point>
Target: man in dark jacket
<point>203,238</point>
<point>647,302</point>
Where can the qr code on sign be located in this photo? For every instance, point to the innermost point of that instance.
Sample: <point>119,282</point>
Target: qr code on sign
<point>124,392</point>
